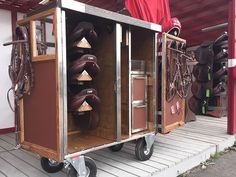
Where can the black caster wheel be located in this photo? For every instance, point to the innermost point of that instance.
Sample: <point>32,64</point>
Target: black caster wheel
<point>141,151</point>
<point>91,169</point>
<point>51,166</point>
<point>116,148</point>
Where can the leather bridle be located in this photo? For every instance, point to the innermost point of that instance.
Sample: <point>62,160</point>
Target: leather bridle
<point>20,69</point>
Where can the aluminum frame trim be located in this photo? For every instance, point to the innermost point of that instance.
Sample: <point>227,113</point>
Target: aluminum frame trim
<point>163,81</point>
<point>61,83</point>
<point>134,137</point>
<point>155,75</point>
<point>64,77</point>
<point>118,39</point>
<point>130,101</point>
<point>91,10</point>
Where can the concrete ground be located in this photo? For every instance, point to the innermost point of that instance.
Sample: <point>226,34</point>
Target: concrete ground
<point>223,166</point>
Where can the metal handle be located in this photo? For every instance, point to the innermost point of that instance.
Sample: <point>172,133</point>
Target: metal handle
<point>140,106</point>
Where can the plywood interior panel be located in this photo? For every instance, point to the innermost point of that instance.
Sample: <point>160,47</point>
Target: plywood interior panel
<point>105,82</point>
<point>40,112</point>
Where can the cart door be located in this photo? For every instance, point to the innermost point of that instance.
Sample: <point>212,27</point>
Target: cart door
<point>172,104</point>
<point>39,111</point>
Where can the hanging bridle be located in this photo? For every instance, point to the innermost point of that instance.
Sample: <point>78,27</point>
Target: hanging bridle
<point>20,68</point>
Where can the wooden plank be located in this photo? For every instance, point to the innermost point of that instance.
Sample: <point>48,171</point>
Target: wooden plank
<point>203,133</point>
<point>33,44</point>
<point>40,58</point>
<point>167,153</point>
<point>186,140</point>
<point>212,121</point>
<point>1,149</point>
<point>5,145</point>
<point>2,174</point>
<point>205,126</point>
<point>128,161</point>
<point>161,159</point>
<point>209,129</point>
<point>129,169</point>
<point>34,162</point>
<point>219,135</point>
<point>180,144</point>
<point>194,139</point>
<point>168,146</point>
<point>111,169</point>
<point>12,135</point>
<point>8,139</point>
<point>213,124</point>
<point>149,163</point>
<point>101,173</point>
<point>36,16</point>
<point>9,170</point>
<point>222,119</point>
<point>22,166</point>
<point>184,154</point>
<point>31,153</point>
<point>159,162</point>
<point>199,138</point>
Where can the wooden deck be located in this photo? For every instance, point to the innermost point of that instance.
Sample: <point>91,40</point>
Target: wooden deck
<point>174,153</point>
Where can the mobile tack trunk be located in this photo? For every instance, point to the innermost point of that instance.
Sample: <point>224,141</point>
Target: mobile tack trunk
<point>126,51</point>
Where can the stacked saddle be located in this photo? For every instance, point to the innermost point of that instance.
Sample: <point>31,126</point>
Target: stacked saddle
<point>218,101</point>
<point>210,74</point>
<point>82,70</point>
<point>202,86</point>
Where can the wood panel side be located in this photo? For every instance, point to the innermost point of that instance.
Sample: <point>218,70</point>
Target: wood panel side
<point>170,121</point>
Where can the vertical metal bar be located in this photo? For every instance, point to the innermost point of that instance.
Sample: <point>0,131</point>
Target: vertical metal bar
<point>163,82</point>
<point>118,40</point>
<point>61,52</point>
<point>130,82</point>
<point>64,77</point>
<point>155,78</point>
<point>232,81</point>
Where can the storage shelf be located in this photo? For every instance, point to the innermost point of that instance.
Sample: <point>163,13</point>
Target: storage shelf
<point>78,142</point>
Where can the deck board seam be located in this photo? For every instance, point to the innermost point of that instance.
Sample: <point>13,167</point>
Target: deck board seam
<point>29,164</point>
<point>97,153</point>
<point>14,167</point>
<point>3,173</point>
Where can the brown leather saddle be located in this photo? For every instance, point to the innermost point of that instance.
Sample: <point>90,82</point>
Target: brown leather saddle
<point>87,120</point>
<point>201,90</point>
<point>205,54</point>
<point>202,72</point>
<point>198,106</point>
<point>83,30</point>
<point>86,63</point>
